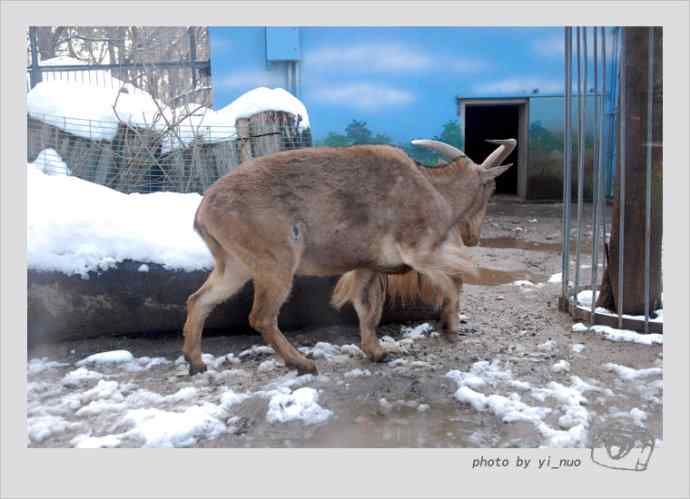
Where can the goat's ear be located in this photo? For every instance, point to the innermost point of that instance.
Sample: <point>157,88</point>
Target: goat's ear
<point>490,174</point>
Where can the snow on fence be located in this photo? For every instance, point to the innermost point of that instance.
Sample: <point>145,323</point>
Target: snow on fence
<point>131,143</point>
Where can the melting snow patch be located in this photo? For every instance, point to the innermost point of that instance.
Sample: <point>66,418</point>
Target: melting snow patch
<point>300,405</point>
<point>112,357</point>
<point>629,373</point>
<point>356,373</point>
<point>104,389</point>
<point>231,398</point>
<point>622,335</point>
<point>42,427</point>
<point>578,347</point>
<point>353,351</point>
<point>416,332</point>
<point>158,428</point>
<point>80,376</point>
<point>323,350</point>
<point>255,351</point>
<point>556,278</point>
<point>99,407</point>
<point>507,409</point>
<point>562,366</point>
<point>268,365</point>
<point>39,365</point>
<point>547,346</point>
<point>89,442</point>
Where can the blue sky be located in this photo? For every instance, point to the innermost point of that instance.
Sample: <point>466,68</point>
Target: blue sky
<point>402,81</point>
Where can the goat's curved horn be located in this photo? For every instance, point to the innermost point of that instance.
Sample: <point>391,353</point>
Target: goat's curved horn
<point>501,153</point>
<point>442,148</point>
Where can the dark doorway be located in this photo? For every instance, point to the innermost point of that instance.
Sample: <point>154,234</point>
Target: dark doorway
<point>496,121</point>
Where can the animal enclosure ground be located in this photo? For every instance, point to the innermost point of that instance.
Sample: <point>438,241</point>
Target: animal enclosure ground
<point>518,376</point>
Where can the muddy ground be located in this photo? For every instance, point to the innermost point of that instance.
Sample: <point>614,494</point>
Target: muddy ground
<point>407,402</point>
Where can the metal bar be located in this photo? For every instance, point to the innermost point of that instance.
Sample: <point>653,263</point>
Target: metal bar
<point>135,65</point>
<point>621,210</point>
<point>582,84</point>
<point>648,182</point>
<point>603,178</point>
<point>567,171</point>
<point>595,177</point>
<point>35,69</point>
<point>192,55</point>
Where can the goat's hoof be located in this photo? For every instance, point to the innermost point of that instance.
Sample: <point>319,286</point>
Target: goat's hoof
<point>194,369</point>
<point>308,367</point>
<point>450,336</point>
<point>379,356</point>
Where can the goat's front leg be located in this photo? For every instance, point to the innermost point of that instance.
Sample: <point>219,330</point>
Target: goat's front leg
<point>450,322</point>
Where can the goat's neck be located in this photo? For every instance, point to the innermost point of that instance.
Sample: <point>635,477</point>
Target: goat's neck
<point>451,181</point>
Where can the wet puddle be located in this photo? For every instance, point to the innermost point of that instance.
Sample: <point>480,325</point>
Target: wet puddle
<point>510,243</point>
<point>493,277</point>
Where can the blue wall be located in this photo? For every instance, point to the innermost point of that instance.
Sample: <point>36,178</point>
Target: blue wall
<point>402,81</point>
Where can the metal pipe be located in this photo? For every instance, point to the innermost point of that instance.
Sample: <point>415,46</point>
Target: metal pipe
<point>648,182</point>
<point>36,76</point>
<point>582,83</point>
<point>603,179</point>
<point>567,171</point>
<point>595,177</point>
<point>621,209</point>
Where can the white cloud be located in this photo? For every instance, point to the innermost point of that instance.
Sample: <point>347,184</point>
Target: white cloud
<point>363,96</point>
<point>250,79</point>
<point>519,86</point>
<point>553,46</point>
<point>390,57</point>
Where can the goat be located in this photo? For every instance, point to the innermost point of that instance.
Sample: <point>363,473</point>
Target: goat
<point>329,211</point>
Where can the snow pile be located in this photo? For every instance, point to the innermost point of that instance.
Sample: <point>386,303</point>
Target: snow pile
<point>300,405</point>
<point>421,331</point>
<point>574,419</point>
<point>357,372</point>
<point>111,357</point>
<point>629,374</point>
<point>89,442</point>
<point>65,237</point>
<point>91,112</point>
<point>205,125</point>
<point>80,376</point>
<point>620,335</point>
<point>562,366</point>
<point>159,428</point>
<point>42,427</point>
<point>36,366</point>
<point>49,162</point>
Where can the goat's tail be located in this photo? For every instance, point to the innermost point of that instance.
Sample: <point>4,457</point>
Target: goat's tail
<point>406,289</point>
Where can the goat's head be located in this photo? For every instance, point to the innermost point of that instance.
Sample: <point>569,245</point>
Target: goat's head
<point>483,176</point>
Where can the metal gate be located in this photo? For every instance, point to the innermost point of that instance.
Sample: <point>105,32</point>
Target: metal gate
<point>594,144</point>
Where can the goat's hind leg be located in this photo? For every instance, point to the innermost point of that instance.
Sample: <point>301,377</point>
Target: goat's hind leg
<point>271,289</point>
<point>227,277</point>
<point>450,322</point>
<point>368,299</point>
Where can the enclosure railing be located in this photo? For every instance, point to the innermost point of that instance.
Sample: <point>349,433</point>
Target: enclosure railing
<point>160,156</point>
<point>601,73</point>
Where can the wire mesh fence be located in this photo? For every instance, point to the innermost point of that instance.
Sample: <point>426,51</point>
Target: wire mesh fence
<point>162,156</point>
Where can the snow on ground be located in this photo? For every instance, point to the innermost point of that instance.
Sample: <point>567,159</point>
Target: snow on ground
<point>49,162</point>
<point>300,405</point>
<point>112,357</point>
<point>628,373</point>
<point>621,335</point>
<point>573,419</point>
<point>62,236</point>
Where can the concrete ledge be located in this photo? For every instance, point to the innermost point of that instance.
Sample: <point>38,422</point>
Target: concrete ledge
<point>125,301</point>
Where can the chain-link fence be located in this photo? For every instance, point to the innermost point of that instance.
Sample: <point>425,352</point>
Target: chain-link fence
<point>163,156</point>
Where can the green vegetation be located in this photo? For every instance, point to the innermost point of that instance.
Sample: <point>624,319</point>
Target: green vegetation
<point>357,132</point>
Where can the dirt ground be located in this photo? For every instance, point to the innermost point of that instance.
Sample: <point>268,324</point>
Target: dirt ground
<point>409,401</point>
